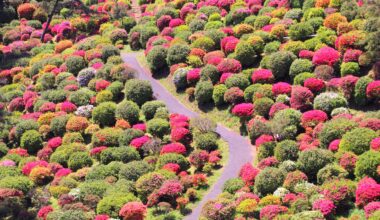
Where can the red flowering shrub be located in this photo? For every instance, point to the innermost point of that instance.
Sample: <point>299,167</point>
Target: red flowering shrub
<point>234,95</point>
<point>268,162</point>
<point>315,85</point>
<point>347,84</point>
<point>163,22</point>
<point>170,189</point>
<point>27,168</point>
<point>198,52</point>
<point>373,90</point>
<point>172,167</point>
<point>265,138</point>
<point>293,178</point>
<point>271,211</point>
<point>262,76</point>
<point>67,107</point>
<point>334,145</point>
<point>77,124</point>
<point>97,150</point>
<point>301,98</point>
<point>348,161</point>
<point>213,55</point>
<point>47,107</point>
<point>44,211</point>
<point>6,193</point>
<point>133,211</point>
<point>17,104</point>
<point>326,56</point>
<point>375,144</point>
<point>229,66</point>
<point>26,10</point>
<point>176,22</point>
<point>101,217</point>
<point>224,77</point>
<point>123,124</point>
<point>367,191</point>
<point>313,117</point>
<point>371,123</point>
<point>177,148</point>
<point>306,54</point>
<point>139,142</point>
<point>19,151</point>
<point>277,107</point>
<point>243,110</point>
<point>281,88</point>
<point>352,55</point>
<point>62,172</point>
<point>325,206</point>
<point>371,208</point>
<point>248,174</point>
<point>193,75</point>
<point>228,44</point>
<point>180,134</point>
<point>101,85</point>
<point>199,158</point>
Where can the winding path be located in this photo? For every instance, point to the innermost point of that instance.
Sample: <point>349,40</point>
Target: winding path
<point>240,149</point>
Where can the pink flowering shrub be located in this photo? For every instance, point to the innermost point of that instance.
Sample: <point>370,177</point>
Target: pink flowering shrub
<point>199,158</point>
<point>172,167</point>
<point>276,107</point>
<point>268,162</point>
<point>348,161</point>
<point>367,191</point>
<point>281,88</point>
<point>375,144</point>
<point>248,174</point>
<point>101,85</point>
<point>371,208</point>
<point>262,76</point>
<point>271,211</point>
<point>373,90</point>
<point>306,54</point>
<point>139,142</point>
<point>301,98</point>
<point>313,117</point>
<point>265,138</point>
<point>27,168</point>
<point>352,55</point>
<point>177,148</point>
<point>229,66</point>
<point>54,142</point>
<point>180,134</point>
<point>315,85</point>
<point>326,206</point>
<point>347,84</point>
<point>68,107</point>
<point>326,56</point>
<point>44,211</point>
<point>243,110</point>
<point>133,210</point>
<point>334,145</point>
<point>193,75</point>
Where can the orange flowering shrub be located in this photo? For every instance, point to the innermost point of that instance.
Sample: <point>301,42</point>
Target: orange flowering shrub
<point>63,45</point>
<point>123,124</point>
<point>77,124</point>
<point>26,10</point>
<point>46,118</point>
<point>332,21</point>
<point>322,3</point>
<point>41,175</point>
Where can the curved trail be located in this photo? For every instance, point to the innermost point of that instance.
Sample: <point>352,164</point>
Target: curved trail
<point>240,149</point>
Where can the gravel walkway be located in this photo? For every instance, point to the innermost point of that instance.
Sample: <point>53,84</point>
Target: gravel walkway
<point>240,150</point>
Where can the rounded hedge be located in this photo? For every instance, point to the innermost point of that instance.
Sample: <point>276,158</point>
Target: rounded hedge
<point>128,135</point>
<point>262,106</point>
<point>300,31</point>
<point>286,150</point>
<point>128,111</point>
<point>299,66</point>
<point>237,80</point>
<point>79,160</point>
<point>330,172</point>
<point>328,101</point>
<point>173,158</point>
<point>210,72</point>
<point>138,91</point>
<point>206,141</point>
<point>31,140</point>
<point>268,180</point>
<point>177,54</point>
<point>334,129</point>
<point>104,114</point>
<point>218,94</point>
<point>123,154</point>
<point>311,161</point>
<point>149,108</point>
<point>349,68</point>
<point>75,64</point>
<point>111,205</point>
<point>367,165</point>
<point>158,127</point>
<point>157,58</point>
<point>203,92</point>
<point>25,125</point>
<point>133,170</point>
<point>357,140</point>
<point>233,185</point>
<point>360,90</point>
<point>279,63</point>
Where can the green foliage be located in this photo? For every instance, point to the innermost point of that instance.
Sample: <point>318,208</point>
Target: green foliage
<point>262,106</point>
<point>233,185</point>
<point>335,129</point>
<point>21,183</point>
<point>245,53</point>
<point>32,141</point>
<point>203,92</point>
<point>149,108</point>
<point>218,94</point>
<point>177,54</point>
<point>349,68</point>
<point>268,180</point>
<point>286,150</point>
<point>133,170</point>
<point>81,97</point>
<point>300,31</point>
<point>266,150</point>
<point>25,125</point>
<point>206,141</point>
<point>123,154</point>
<point>157,58</point>
<point>173,158</point>
<point>299,66</point>
<point>75,64</point>
<point>79,160</point>
<point>210,72</point>
<point>360,90</point>
<point>111,205</point>
<point>311,161</point>
<point>331,171</point>
<point>97,188</point>
<point>138,91</point>
<point>205,43</point>
<point>158,127</point>
<point>237,80</point>
<point>104,114</point>
<point>280,62</point>
<point>109,51</point>
<point>300,78</point>
<point>328,101</point>
<point>357,140</point>
<point>128,135</point>
<point>128,111</point>
<point>367,165</point>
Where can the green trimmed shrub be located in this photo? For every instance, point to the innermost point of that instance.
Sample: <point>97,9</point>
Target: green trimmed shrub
<point>158,127</point>
<point>245,53</point>
<point>237,80</point>
<point>104,96</point>
<point>311,161</point>
<point>349,68</point>
<point>205,43</point>
<point>218,94</point>
<point>360,90</point>
<point>75,64</point>
<point>97,188</point>
<point>133,170</point>
<point>31,140</point>
<point>123,154</point>
<point>262,106</point>
<point>111,205</point>
<point>330,172</point>
<point>81,97</point>
<point>128,135</point>
<point>206,141</point>
<point>79,160</point>
<point>203,92</point>
<point>197,25</point>
<point>109,51</point>
<point>104,114</point>
<point>128,111</point>
<point>328,101</point>
<point>299,66</point>
<point>357,140</point>
<point>272,47</point>
<point>335,129</point>
<point>233,185</point>
<point>56,96</point>
<point>177,54</point>
<point>26,125</point>
<point>300,31</point>
<point>138,91</point>
<point>173,158</point>
<point>286,150</point>
<point>21,183</point>
<point>367,165</point>
<point>157,58</point>
<point>268,180</point>
<point>149,108</point>
<point>300,78</point>
<point>280,62</point>
<point>294,13</point>
<point>266,150</point>
<point>210,72</point>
